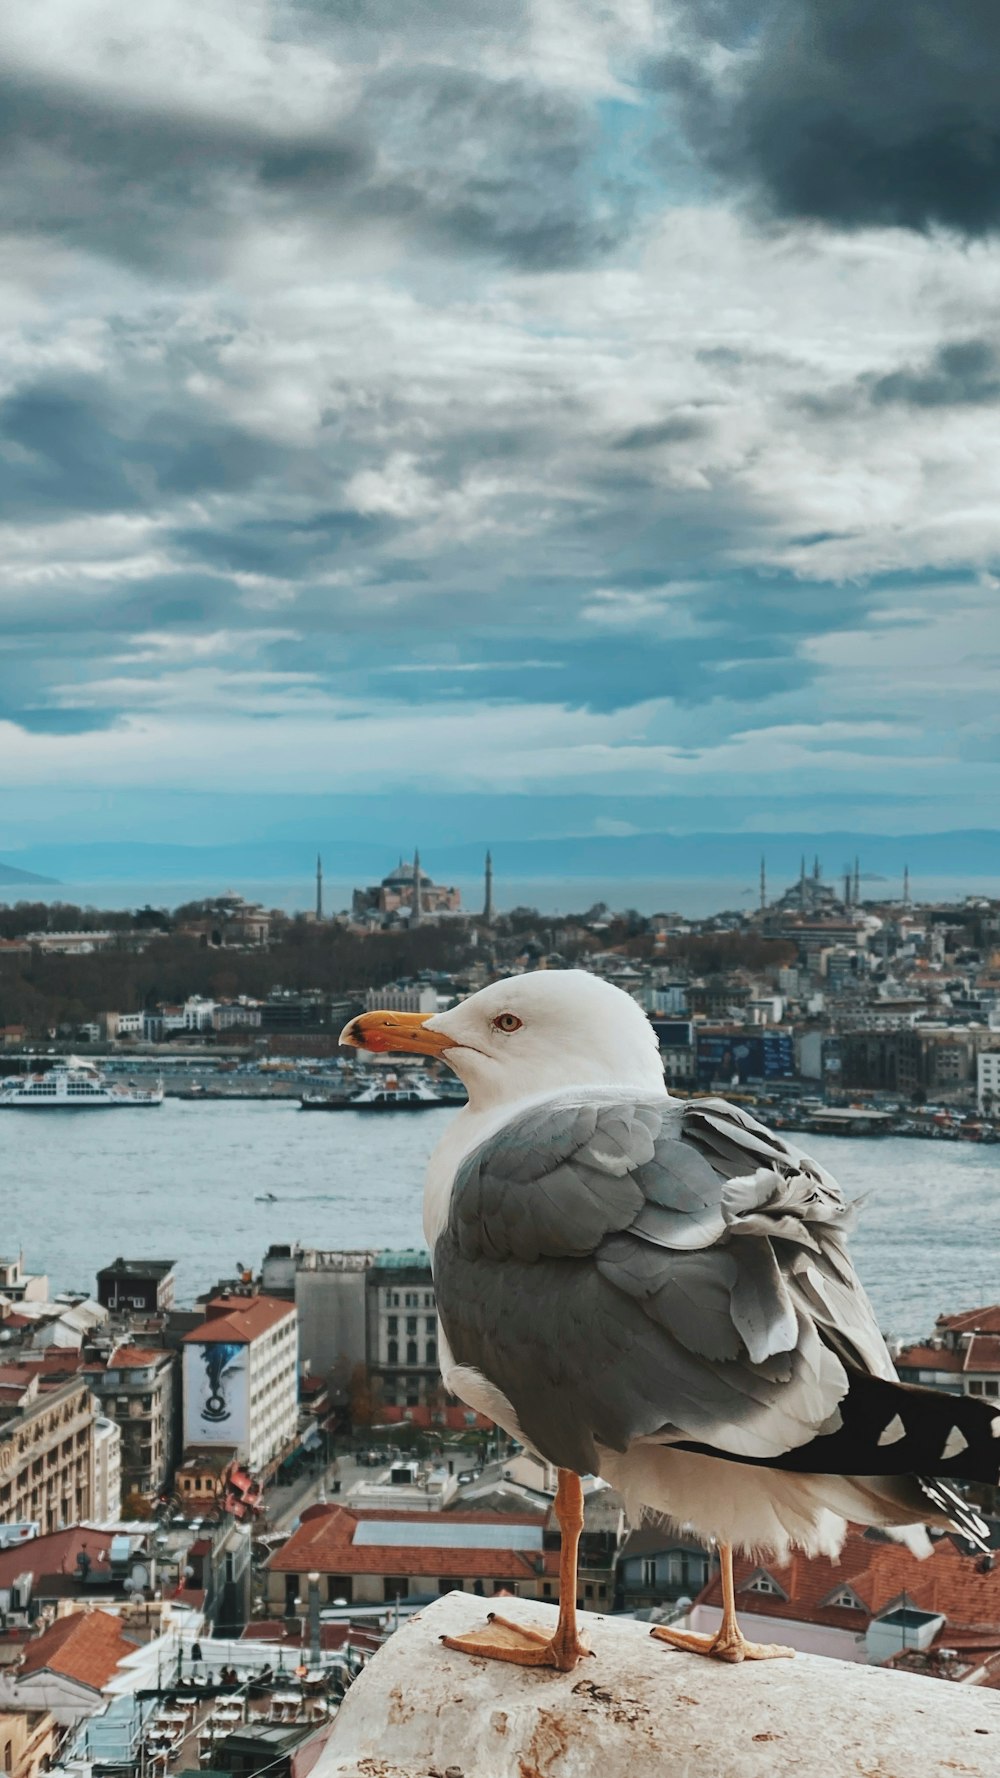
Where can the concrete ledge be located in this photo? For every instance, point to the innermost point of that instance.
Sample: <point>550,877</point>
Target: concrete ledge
<point>642,1710</point>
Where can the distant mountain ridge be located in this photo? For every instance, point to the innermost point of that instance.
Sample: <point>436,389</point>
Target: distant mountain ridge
<point>9,873</point>
<point>972,852</point>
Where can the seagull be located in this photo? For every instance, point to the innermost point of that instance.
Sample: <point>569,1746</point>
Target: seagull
<point>657,1291</point>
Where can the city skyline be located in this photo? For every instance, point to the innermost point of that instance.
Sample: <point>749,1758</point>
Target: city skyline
<point>485,407</point>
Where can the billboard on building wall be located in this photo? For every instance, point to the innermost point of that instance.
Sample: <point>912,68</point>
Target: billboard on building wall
<point>216,1393</point>
<point>732,1057</point>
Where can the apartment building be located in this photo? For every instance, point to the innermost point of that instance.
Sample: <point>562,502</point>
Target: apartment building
<point>402,1331</point>
<point>363,1308</point>
<point>46,1452</point>
<point>241,1379</point>
<point>137,1388</point>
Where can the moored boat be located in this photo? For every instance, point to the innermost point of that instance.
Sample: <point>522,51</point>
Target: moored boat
<point>409,1093</point>
<point>73,1085</point>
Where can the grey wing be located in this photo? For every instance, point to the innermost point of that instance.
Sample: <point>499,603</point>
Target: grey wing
<point>625,1269</point>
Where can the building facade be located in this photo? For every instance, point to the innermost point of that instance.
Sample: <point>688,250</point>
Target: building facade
<point>136,1388</point>
<point>47,1455</point>
<point>107,1470</point>
<point>402,1330</point>
<point>329,1291</point>
<point>241,1379</point>
<point>146,1285</point>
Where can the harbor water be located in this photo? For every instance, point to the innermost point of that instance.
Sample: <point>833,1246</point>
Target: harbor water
<point>187,1182</point>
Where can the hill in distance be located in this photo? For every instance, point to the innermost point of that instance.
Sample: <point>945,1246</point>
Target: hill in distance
<point>9,874</point>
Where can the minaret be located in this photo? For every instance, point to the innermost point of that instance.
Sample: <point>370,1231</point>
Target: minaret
<point>857,882</point>
<point>847,885</point>
<point>817,872</point>
<point>488,899</point>
<point>906,885</point>
<point>417,913</point>
<point>319,887</point>
<point>802,882</point>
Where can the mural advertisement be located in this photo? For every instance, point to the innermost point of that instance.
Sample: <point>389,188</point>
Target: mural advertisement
<point>216,1394</point>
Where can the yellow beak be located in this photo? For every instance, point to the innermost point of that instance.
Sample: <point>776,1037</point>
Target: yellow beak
<point>403,1031</point>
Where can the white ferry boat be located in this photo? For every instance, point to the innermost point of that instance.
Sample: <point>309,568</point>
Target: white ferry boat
<point>413,1093</point>
<point>72,1086</point>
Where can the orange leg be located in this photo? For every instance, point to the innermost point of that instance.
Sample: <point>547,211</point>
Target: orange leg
<point>504,1640</point>
<point>729,1642</point>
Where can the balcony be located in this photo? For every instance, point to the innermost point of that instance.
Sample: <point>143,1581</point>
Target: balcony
<point>647,1710</point>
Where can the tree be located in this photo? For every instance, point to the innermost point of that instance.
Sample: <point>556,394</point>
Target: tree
<point>136,1506</point>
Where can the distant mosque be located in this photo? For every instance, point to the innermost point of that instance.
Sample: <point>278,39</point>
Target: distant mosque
<point>407,887</point>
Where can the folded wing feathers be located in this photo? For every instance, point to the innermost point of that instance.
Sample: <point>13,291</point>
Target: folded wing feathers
<point>709,1225</point>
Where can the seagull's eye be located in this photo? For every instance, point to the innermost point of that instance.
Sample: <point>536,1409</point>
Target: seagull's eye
<point>507,1021</point>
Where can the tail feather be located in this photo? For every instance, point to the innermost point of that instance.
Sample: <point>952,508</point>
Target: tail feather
<point>888,1428</point>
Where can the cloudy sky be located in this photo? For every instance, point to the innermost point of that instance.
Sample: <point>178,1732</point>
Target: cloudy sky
<point>586,398</point>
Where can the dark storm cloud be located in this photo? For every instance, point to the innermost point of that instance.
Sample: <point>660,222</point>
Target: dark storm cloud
<point>77,446</point>
<point>849,113</point>
<point>963,373</point>
<point>464,162</point>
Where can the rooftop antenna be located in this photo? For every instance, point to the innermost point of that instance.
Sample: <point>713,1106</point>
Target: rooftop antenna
<point>488,900</point>
<point>763,884</point>
<point>319,887</point>
<point>416,910</point>
<point>906,885</point>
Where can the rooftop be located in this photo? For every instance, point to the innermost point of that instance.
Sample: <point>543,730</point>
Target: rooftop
<point>335,1540</point>
<point>239,1319</point>
<point>646,1710</point>
<point>880,1576</point>
<point>86,1646</point>
<point>137,1268</point>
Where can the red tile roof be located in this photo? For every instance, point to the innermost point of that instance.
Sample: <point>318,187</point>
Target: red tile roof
<point>929,1358</point>
<point>325,1542</point>
<point>239,1319</point>
<point>879,1574</point>
<point>55,1554</point>
<point>136,1357</point>
<point>983,1353</point>
<point>87,1646</point>
<point>973,1320</point>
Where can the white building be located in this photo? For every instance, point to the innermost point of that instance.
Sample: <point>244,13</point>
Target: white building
<point>988,1080</point>
<point>417,997</point>
<point>107,1471</point>
<point>241,1378</point>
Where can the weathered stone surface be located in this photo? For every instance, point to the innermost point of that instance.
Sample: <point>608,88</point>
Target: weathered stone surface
<point>641,1710</point>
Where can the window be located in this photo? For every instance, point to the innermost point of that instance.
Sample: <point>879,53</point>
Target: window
<point>430,1325</point>
<point>649,1571</point>
<point>762,1583</point>
<point>412,1299</point>
<point>392,1326</point>
<point>428,1299</point>
<point>339,1586</point>
<point>845,1598</point>
<point>393,1351</point>
<point>411,1352</point>
<point>546,1589</point>
<point>395,1587</point>
<point>432,1352</point>
<point>411,1324</point>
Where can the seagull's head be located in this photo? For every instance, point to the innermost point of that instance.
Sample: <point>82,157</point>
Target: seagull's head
<point>533,1034</point>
